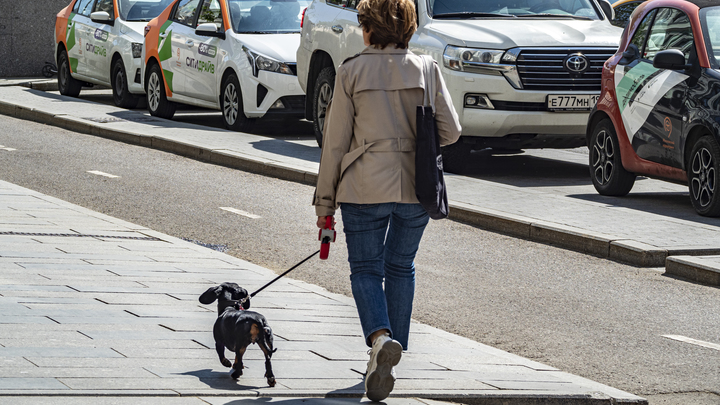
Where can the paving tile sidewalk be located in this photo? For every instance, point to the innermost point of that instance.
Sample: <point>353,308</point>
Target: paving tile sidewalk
<point>95,306</point>
<point>643,238</point>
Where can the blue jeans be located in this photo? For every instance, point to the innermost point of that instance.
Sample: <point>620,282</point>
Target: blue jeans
<point>382,241</point>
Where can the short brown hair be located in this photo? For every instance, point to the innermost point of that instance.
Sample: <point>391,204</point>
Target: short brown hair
<point>390,21</point>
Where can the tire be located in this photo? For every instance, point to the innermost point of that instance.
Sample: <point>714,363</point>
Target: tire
<point>606,170</point>
<point>121,95</point>
<point>231,106</point>
<point>157,102</point>
<point>456,157</point>
<point>67,85</point>
<point>322,94</point>
<point>703,176</point>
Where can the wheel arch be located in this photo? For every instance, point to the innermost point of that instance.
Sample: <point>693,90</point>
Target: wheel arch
<point>593,120</point>
<point>695,133</point>
<point>151,61</point>
<point>228,71</point>
<point>319,60</point>
<point>60,47</point>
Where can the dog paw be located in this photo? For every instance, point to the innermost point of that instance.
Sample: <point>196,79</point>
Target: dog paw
<point>236,374</point>
<point>226,363</point>
<point>271,381</point>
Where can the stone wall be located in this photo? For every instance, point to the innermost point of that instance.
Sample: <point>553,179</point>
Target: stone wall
<point>26,35</point>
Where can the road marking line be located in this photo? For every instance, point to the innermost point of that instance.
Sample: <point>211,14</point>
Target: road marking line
<point>693,341</point>
<point>7,149</point>
<point>99,173</point>
<point>241,212</point>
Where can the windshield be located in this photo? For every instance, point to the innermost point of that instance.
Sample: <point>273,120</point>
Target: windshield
<point>266,16</point>
<point>582,9</point>
<point>710,20</point>
<point>141,10</point>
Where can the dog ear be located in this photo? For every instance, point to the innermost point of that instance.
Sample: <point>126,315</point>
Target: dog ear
<point>209,296</point>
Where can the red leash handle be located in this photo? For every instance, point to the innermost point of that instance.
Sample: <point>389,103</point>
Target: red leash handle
<point>326,236</point>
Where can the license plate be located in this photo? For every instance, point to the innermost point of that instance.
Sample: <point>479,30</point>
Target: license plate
<point>568,102</point>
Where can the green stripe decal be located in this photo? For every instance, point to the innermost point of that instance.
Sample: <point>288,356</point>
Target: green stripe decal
<point>71,37</point>
<point>165,51</point>
<point>168,78</point>
<point>73,64</point>
<point>636,76</point>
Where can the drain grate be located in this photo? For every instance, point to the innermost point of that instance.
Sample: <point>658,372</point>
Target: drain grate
<point>79,235</point>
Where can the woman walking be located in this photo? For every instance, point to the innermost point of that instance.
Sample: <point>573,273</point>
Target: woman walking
<point>368,169</point>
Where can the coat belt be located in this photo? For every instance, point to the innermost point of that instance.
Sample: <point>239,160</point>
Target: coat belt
<point>381,145</point>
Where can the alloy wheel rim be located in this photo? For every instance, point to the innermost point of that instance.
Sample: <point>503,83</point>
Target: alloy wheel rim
<point>63,74</point>
<point>154,92</point>
<point>119,80</point>
<point>323,100</point>
<point>702,183</point>
<point>603,154</point>
<point>230,104</point>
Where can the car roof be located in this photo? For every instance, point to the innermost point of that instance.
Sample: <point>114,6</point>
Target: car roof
<point>621,2</point>
<point>704,3</point>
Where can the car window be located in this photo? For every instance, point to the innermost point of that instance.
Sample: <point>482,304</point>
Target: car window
<point>185,12</point>
<point>671,30</point>
<point>266,16</point>
<point>460,9</point>
<point>211,13</point>
<point>142,10</point>
<point>623,13</point>
<point>351,4</point>
<point>710,20</point>
<point>641,32</point>
<point>106,6</point>
<point>83,7</point>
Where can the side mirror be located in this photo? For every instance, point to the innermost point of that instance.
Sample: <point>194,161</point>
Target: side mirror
<point>209,30</point>
<point>101,17</point>
<point>672,59</point>
<point>608,9</point>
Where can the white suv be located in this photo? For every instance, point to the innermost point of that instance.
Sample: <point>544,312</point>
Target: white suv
<point>522,73</point>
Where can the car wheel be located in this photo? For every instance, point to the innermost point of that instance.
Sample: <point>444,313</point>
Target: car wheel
<point>121,96</point>
<point>456,157</point>
<point>606,170</point>
<point>231,105</point>
<point>322,94</point>
<point>703,176</point>
<point>67,85</point>
<point>157,102</point>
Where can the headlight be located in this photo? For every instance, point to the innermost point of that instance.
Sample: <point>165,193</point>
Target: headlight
<point>137,49</point>
<point>484,61</point>
<point>260,62</point>
<point>456,58</point>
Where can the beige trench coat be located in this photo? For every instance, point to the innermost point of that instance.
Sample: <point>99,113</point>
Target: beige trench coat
<point>368,153</point>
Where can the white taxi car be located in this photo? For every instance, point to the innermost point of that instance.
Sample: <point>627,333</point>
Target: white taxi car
<point>100,42</point>
<point>237,56</point>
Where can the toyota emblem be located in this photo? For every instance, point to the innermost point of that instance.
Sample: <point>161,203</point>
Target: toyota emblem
<point>576,63</point>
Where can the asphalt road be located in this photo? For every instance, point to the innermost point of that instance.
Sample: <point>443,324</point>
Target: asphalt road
<point>588,316</point>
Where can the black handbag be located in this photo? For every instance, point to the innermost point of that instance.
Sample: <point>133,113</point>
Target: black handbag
<point>429,182</point>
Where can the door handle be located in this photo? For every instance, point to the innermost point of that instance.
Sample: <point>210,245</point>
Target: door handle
<point>163,36</point>
<point>189,43</point>
<point>337,28</point>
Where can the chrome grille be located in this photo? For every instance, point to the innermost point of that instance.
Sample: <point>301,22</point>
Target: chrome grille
<point>542,69</point>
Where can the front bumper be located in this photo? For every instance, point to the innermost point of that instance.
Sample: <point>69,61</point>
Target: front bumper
<point>261,93</point>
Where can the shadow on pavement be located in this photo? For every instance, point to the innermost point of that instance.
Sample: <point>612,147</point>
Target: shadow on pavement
<point>219,380</point>
<point>289,149</point>
<point>526,171</point>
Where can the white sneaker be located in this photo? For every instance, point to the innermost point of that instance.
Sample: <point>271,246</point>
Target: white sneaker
<point>380,375</point>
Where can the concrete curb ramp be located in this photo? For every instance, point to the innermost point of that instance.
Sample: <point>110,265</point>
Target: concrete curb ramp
<point>237,150</point>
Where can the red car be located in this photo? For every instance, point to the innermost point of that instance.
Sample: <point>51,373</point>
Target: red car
<point>659,109</point>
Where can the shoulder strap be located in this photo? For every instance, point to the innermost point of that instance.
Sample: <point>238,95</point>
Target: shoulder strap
<point>429,75</point>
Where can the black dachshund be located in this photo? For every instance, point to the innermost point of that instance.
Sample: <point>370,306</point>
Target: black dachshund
<point>236,328</point>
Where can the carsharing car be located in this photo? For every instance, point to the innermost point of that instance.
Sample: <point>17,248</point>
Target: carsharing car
<point>236,56</point>
<point>659,109</point>
<point>100,42</point>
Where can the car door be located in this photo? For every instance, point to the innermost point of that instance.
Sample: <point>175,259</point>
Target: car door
<point>77,40</point>
<point>665,92</point>
<point>182,21</point>
<point>347,29</point>
<point>651,100</point>
<point>100,38</point>
<point>202,73</point>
